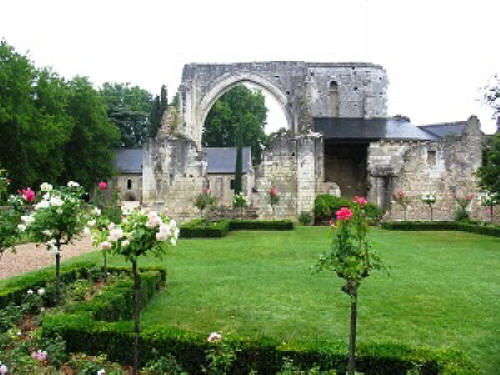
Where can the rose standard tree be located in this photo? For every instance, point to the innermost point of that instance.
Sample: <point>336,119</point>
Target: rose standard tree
<point>138,235</point>
<point>352,258</point>
<point>56,220</point>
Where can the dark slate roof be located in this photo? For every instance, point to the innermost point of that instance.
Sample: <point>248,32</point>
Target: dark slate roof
<point>444,129</point>
<point>128,160</point>
<point>369,129</point>
<point>223,159</point>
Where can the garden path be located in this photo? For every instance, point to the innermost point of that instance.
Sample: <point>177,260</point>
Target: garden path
<point>28,257</point>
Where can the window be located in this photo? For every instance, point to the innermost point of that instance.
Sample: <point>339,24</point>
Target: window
<point>129,184</point>
<point>232,183</point>
<point>431,158</point>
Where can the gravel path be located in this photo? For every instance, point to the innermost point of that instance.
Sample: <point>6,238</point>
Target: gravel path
<point>28,257</point>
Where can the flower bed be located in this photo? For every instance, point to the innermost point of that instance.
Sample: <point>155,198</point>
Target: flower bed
<point>199,228</point>
<point>442,225</point>
<point>265,355</point>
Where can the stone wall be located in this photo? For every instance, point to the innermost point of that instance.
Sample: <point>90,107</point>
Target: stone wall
<point>445,167</point>
<point>122,183</point>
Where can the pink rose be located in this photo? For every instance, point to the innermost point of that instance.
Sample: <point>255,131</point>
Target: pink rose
<point>273,191</point>
<point>161,236</point>
<point>214,336</point>
<point>360,200</point>
<point>344,214</point>
<point>102,185</point>
<point>106,245</point>
<point>28,194</point>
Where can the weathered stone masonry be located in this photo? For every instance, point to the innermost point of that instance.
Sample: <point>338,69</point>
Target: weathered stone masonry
<point>337,106</point>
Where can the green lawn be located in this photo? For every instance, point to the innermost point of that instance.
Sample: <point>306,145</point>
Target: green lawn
<point>443,290</point>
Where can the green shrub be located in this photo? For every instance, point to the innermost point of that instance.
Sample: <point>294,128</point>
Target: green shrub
<point>261,225</point>
<point>442,225</point>
<point>325,205</point>
<point>305,218</point>
<point>264,355</point>
<point>202,228</point>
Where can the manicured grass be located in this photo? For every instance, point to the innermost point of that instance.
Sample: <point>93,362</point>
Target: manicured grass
<point>443,290</point>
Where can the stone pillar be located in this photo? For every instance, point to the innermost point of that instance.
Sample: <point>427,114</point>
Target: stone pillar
<point>306,172</point>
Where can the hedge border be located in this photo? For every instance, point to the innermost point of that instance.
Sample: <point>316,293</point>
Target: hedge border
<point>265,355</point>
<point>441,225</point>
<point>220,228</point>
<point>16,287</point>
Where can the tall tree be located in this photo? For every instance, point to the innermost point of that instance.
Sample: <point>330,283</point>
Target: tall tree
<point>158,107</point>
<point>88,154</point>
<point>34,124</point>
<point>239,107</point>
<point>129,108</point>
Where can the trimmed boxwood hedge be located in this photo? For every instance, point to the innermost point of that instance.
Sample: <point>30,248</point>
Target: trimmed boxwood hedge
<point>442,225</point>
<point>261,225</point>
<point>15,289</point>
<point>198,228</point>
<point>265,355</point>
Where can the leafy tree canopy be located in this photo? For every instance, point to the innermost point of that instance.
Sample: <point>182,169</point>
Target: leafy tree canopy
<point>51,129</point>
<point>239,106</point>
<point>130,109</point>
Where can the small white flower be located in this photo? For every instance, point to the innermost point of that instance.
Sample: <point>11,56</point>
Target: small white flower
<point>19,333</point>
<point>91,223</point>
<point>21,227</point>
<point>56,201</point>
<point>42,309</point>
<point>101,372</point>
<point>54,250</point>
<point>173,241</point>
<point>59,211</point>
<point>111,226</point>
<point>29,292</point>
<point>41,291</point>
<point>73,184</point>
<point>46,187</point>
<point>97,212</point>
<point>42,204</point>
<point>86,230</point>
<point>125,243</point>
<point>27,219</point>
<point>115,234</point>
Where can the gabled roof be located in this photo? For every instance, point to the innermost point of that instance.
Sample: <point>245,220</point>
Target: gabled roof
<point>369,129</point>
<point>128,160</point>
<point>445,129</point>
<point>223,159</point>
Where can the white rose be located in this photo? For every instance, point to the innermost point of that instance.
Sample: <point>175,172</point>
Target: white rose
<point>41,291</point>
<point>29,291</point>
<point>116,234</point>
<point>97,212</point>
<point>86,230</point>
<point>111,226</point>
<point>125,243</point>
<point>42,204</point>
<point>73,184</point>
<point>21,227</point>
<point>54,250</point>
<point>106,245</point>
<point>56,202</point>
<point>173,241</point>
<point>161,236</point>
<point>27,219</point>
<point>91,223</point>
<point>46,187</point>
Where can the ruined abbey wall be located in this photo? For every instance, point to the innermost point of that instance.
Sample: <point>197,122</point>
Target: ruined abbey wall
<point>445,167</point>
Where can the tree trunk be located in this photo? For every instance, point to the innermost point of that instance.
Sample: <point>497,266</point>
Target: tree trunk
<point>491,212</point>
<point>405,213</point>
<point>105,268</point>
<point>431,211</point>
<point>137,283</point>
<point>58,274</point>
<point>352,336</point>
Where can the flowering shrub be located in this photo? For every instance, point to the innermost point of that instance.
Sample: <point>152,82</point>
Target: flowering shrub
<point>138,235</point>
<point>220,356</point>
<point>205,200</point>
<point>351,257</point>
<point>401,198</point>
<point>429,199</point>
<point>490,200</point>
<point>102,185</point>
<point>240,200</point>
<point>56,220</point>
<point>273,198</point>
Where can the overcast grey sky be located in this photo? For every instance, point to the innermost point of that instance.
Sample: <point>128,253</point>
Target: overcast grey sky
<point>437,53</point>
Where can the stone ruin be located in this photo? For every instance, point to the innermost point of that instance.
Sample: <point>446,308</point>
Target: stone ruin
<point>339,141</point>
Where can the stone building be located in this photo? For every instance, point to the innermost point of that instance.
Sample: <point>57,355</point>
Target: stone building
<point>128,164</point>
<point>339,141</point>
<point>221,169</point>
